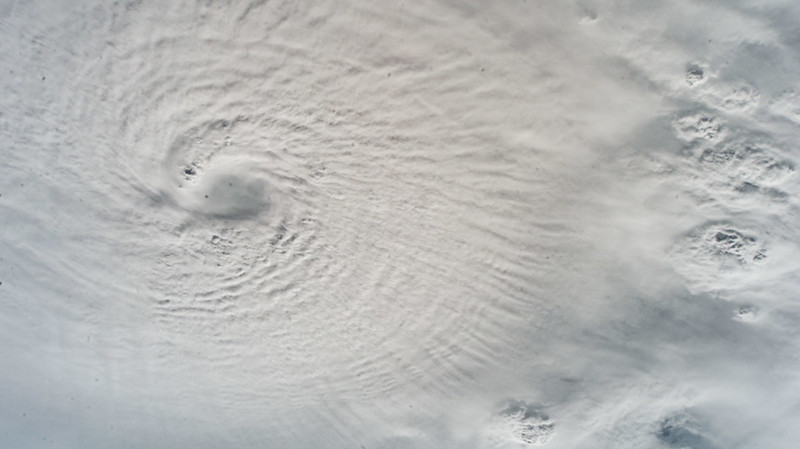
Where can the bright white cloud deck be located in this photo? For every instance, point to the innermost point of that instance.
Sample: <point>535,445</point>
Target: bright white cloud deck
<point>399,225</point>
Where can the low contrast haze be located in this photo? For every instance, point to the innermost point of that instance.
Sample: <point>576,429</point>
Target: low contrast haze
<point>399,225</point>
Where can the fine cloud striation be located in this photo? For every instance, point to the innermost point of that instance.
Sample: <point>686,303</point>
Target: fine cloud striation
<point>381,225</point>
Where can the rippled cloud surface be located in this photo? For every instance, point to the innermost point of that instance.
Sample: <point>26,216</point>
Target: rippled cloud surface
<point>435,224</point>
